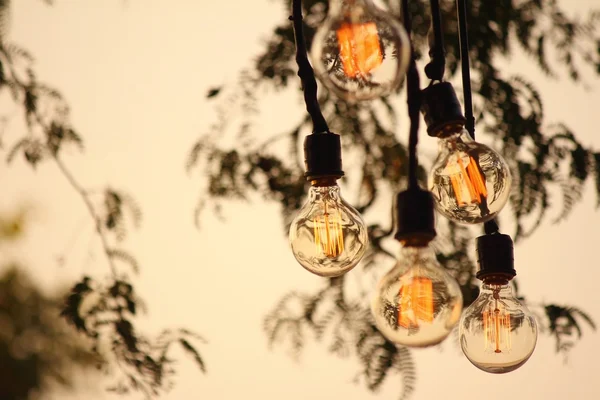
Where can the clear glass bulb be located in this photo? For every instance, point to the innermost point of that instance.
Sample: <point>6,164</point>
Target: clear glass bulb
<point>469,181</point>
<point>328,236</point>
<point>417,303</point>
<point>497,333</point>
<point>360,52</point>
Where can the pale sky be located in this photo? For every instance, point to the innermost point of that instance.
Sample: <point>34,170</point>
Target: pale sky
<point>135,73</point>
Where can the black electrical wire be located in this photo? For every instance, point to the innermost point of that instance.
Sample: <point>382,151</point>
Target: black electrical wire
<point>436,67</point>
<point>413,94</point>
<point>461,10</point>
<point>306,73</point>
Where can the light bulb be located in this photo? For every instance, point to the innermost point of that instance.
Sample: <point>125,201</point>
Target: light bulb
<point>469,181</point>
<point>417,303</point>
<point>497,333</point>
<point>360,52</point>
<point>328,236</point>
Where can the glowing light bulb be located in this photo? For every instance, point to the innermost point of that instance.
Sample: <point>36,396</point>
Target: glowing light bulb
<point>360,52</point>
<point>328,236</point>
<point>417,303</point>
<point>497,333</point>
<point>469,181</point>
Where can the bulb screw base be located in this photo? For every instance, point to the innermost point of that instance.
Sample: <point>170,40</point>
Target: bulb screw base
<point>323,156</point>
<point>415,219</point>
<point>441,110</point>
<point>495,256</point>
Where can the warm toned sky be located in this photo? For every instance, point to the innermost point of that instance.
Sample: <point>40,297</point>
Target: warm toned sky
<point>135,73</point>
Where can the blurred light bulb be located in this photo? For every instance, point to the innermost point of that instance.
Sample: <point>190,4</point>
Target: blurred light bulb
<point>360,52</point>
<point>469,181</point>
<point>497,333</point>
<point>328,236</point>
<point>417,303</point>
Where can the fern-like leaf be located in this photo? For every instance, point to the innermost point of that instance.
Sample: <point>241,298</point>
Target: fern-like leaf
<point>192,350</point>
<point>126,257</point>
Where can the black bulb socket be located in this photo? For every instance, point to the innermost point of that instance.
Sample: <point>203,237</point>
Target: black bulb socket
<point>415,219</point>
<point>323,156</point>
<point>495,256</point>
<point>441,110</point>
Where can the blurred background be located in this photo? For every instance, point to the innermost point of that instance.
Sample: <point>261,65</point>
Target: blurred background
<point>135,75</point>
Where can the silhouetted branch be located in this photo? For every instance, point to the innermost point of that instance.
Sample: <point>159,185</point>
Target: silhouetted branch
<point>111,307</point>
<point>90,207</point>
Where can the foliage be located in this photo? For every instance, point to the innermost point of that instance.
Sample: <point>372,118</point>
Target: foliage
<point>550,166</point>
<point>350,327</point>
<point>104,312</point>
<point>563,325</point>
<point>37,349</point>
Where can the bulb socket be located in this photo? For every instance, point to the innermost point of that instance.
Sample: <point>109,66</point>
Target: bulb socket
<point>415,219</point>
<point>495,256</point>
<point>323,156</point>
<point>441,110</point>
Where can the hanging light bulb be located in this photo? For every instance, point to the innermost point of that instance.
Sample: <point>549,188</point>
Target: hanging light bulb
<point>417,303</point>
<point>328,236</point>
<point>360,52</point>
<point>497,333</point>
<point>469,181</point>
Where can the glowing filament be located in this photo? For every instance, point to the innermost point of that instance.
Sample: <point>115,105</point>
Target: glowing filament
<point>360,50</point>
<point>468,183</point>
<point>329,235</point>
<point>496,328</point>
<point>416,303</point>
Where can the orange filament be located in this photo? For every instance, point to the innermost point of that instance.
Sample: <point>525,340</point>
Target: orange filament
<point>468,184</point>
<point>496,329</point>
<point>416,303</point>
<point>360,50</point>
<point>329,235</point>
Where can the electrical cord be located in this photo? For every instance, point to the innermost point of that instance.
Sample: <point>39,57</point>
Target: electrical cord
<point>461,9</point>
<point>491,226</point>
<point>436,67</point>
<point>306,73</point>
<point>413,94</point>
